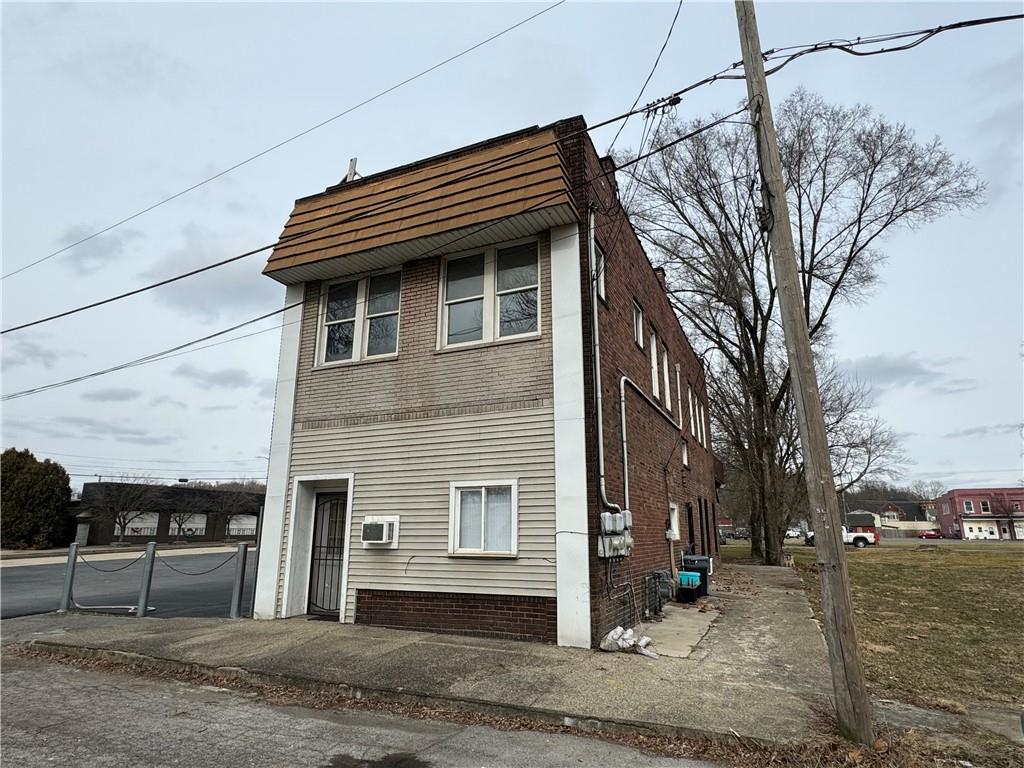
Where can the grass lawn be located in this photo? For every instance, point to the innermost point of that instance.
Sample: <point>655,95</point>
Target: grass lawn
<point>940,622</point>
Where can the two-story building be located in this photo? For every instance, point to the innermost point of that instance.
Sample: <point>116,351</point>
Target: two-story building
<point>982,513</point>
<point>487,418</point>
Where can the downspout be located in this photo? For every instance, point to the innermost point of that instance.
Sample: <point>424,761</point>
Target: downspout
<point>597,370</point>
<point>623,382</point>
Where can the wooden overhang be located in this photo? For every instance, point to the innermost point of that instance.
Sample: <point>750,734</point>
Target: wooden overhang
<point>510,187</point>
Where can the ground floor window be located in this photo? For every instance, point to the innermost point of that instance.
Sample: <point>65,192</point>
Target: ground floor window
<point>483,518</point>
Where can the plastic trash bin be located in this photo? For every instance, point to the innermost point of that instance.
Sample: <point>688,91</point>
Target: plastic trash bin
<point>689,587</point>
<point>701,565</point>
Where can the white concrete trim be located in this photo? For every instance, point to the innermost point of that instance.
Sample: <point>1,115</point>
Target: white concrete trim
<point>272,529</point>
<point>295,586</point>
<point>572,556</point>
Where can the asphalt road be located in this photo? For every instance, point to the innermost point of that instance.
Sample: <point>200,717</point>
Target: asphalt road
<point>32,589</point>
<point>60,715</point>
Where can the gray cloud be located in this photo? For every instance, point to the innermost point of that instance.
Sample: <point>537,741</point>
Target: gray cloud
<point>234,290</point>
<point>886,372</point>
<point>119,431</point>
<point>216,408</point>
<point>987,431</point>
<point>167,400</point>
<point>112,395</point>
<point>120,68</point>
<point>23,352</point>
<point>268,389</point>
<point>97,253</point>
<point>224,378</point>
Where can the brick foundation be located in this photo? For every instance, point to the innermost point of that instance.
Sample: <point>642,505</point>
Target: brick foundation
<point>511,617</point>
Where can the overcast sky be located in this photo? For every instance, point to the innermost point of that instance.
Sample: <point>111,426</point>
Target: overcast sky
<point>109,108</point>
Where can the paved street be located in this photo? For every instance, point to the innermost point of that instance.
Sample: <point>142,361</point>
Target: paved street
<point>29,589</point>
<point>122,721</point>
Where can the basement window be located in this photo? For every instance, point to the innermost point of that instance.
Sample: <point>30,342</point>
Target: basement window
<point>483,518</point>
<point>360,319</point>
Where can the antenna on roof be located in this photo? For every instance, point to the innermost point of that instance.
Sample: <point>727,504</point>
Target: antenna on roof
<point>351,175</point>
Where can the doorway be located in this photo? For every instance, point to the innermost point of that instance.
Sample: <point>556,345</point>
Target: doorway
<point>327,557</point>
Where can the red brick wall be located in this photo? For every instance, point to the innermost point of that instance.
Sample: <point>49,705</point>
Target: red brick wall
<point>512,617</point>
<point>657,474</point>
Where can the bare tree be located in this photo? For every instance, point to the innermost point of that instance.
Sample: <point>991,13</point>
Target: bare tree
<point>852,176</point>
<point>123,501</point>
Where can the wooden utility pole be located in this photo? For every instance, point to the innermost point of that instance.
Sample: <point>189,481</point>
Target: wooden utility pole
<point>851,698</point>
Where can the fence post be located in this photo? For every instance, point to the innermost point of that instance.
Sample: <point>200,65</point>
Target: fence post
<point>147,579</point>
<point>239,586</point>
<point>66,597</point>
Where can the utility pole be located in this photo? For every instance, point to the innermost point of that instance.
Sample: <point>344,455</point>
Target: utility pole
<point>851,698</point>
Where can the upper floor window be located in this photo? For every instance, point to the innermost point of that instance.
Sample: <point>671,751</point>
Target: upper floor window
<point>667,393</point>
<point>360,318</point>
<point>638,325</point>
<point>655,377</point>
<point>986,507</point>
<point>599,269</point>
<point>491,295</point>
<point>968,506</point>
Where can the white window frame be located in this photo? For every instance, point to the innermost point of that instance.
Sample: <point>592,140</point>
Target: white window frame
<point>968,507</point>
<point>638,325</point>
<point>491,297</point>
<point>672,533</point>
<point>360,322</point>
<point>986,508</point>
<point>454,488</point>
<point>693,417</point>
<point>655,373</point>
<point>600,267</point>
<point>666,384</point>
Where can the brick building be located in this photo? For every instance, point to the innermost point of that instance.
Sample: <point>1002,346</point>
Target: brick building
<point>982,513</point>
<point>488,419</point>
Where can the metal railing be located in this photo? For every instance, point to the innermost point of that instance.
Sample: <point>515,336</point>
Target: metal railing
<point>149,558</point>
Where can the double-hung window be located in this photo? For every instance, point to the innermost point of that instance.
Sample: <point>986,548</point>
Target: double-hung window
<point>360,318</point>
<point>968,506</point>
<point>655,377</point>
<point>491,295</point>
<point>666,394</point>
<point>600,265</point>
<point>985,507</point>
<point>483,518</point>
<point>638,325</point>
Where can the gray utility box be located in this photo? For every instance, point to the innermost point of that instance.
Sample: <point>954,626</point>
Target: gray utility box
<point>702,565</point>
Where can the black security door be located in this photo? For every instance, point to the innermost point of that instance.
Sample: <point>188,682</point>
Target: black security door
<point>328,555</point>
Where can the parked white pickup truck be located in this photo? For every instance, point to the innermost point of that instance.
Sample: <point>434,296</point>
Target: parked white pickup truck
<point>859,539</point>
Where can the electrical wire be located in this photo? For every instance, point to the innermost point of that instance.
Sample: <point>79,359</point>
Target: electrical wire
<point>444,246</point>
<point>289,140</point>
<point>650,74</point>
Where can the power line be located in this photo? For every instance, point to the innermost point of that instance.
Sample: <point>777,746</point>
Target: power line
<point>162,461</point>
<point>289,140</point>
<point>650,74</point>
<point>170,352</point>
<point>669,100</point>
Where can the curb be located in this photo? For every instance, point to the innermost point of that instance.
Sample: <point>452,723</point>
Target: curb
<point>583,723</point>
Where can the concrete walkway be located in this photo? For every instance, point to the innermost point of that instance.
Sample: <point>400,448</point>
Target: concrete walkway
<point>763,650</point>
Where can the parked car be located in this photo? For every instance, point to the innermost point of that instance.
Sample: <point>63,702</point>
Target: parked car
<point>809,539</point>
<point>793,533</point>
<point>930,535</point>
<point>741,533</point>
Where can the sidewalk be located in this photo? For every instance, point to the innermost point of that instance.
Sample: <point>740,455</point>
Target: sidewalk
<point>763,650</point>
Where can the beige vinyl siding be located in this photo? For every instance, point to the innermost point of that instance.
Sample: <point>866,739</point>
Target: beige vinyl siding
<point>404,468</point>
